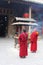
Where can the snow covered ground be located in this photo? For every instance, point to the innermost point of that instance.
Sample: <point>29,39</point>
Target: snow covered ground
<point>10,55</point>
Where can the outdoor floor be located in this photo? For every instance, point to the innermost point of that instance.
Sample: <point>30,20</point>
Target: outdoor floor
<point>10,55</point>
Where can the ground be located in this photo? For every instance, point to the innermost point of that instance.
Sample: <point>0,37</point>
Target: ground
<point>10,55</point>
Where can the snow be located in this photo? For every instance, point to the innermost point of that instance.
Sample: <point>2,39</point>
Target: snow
<point>35,1</point>
<point>10,55</point>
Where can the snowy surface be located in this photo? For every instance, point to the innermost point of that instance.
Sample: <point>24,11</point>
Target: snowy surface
<point>35,1</point>
<point>10,55</point>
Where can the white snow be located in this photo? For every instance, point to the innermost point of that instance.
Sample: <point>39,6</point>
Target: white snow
<point>35,1</point>
<point>10,55</point>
